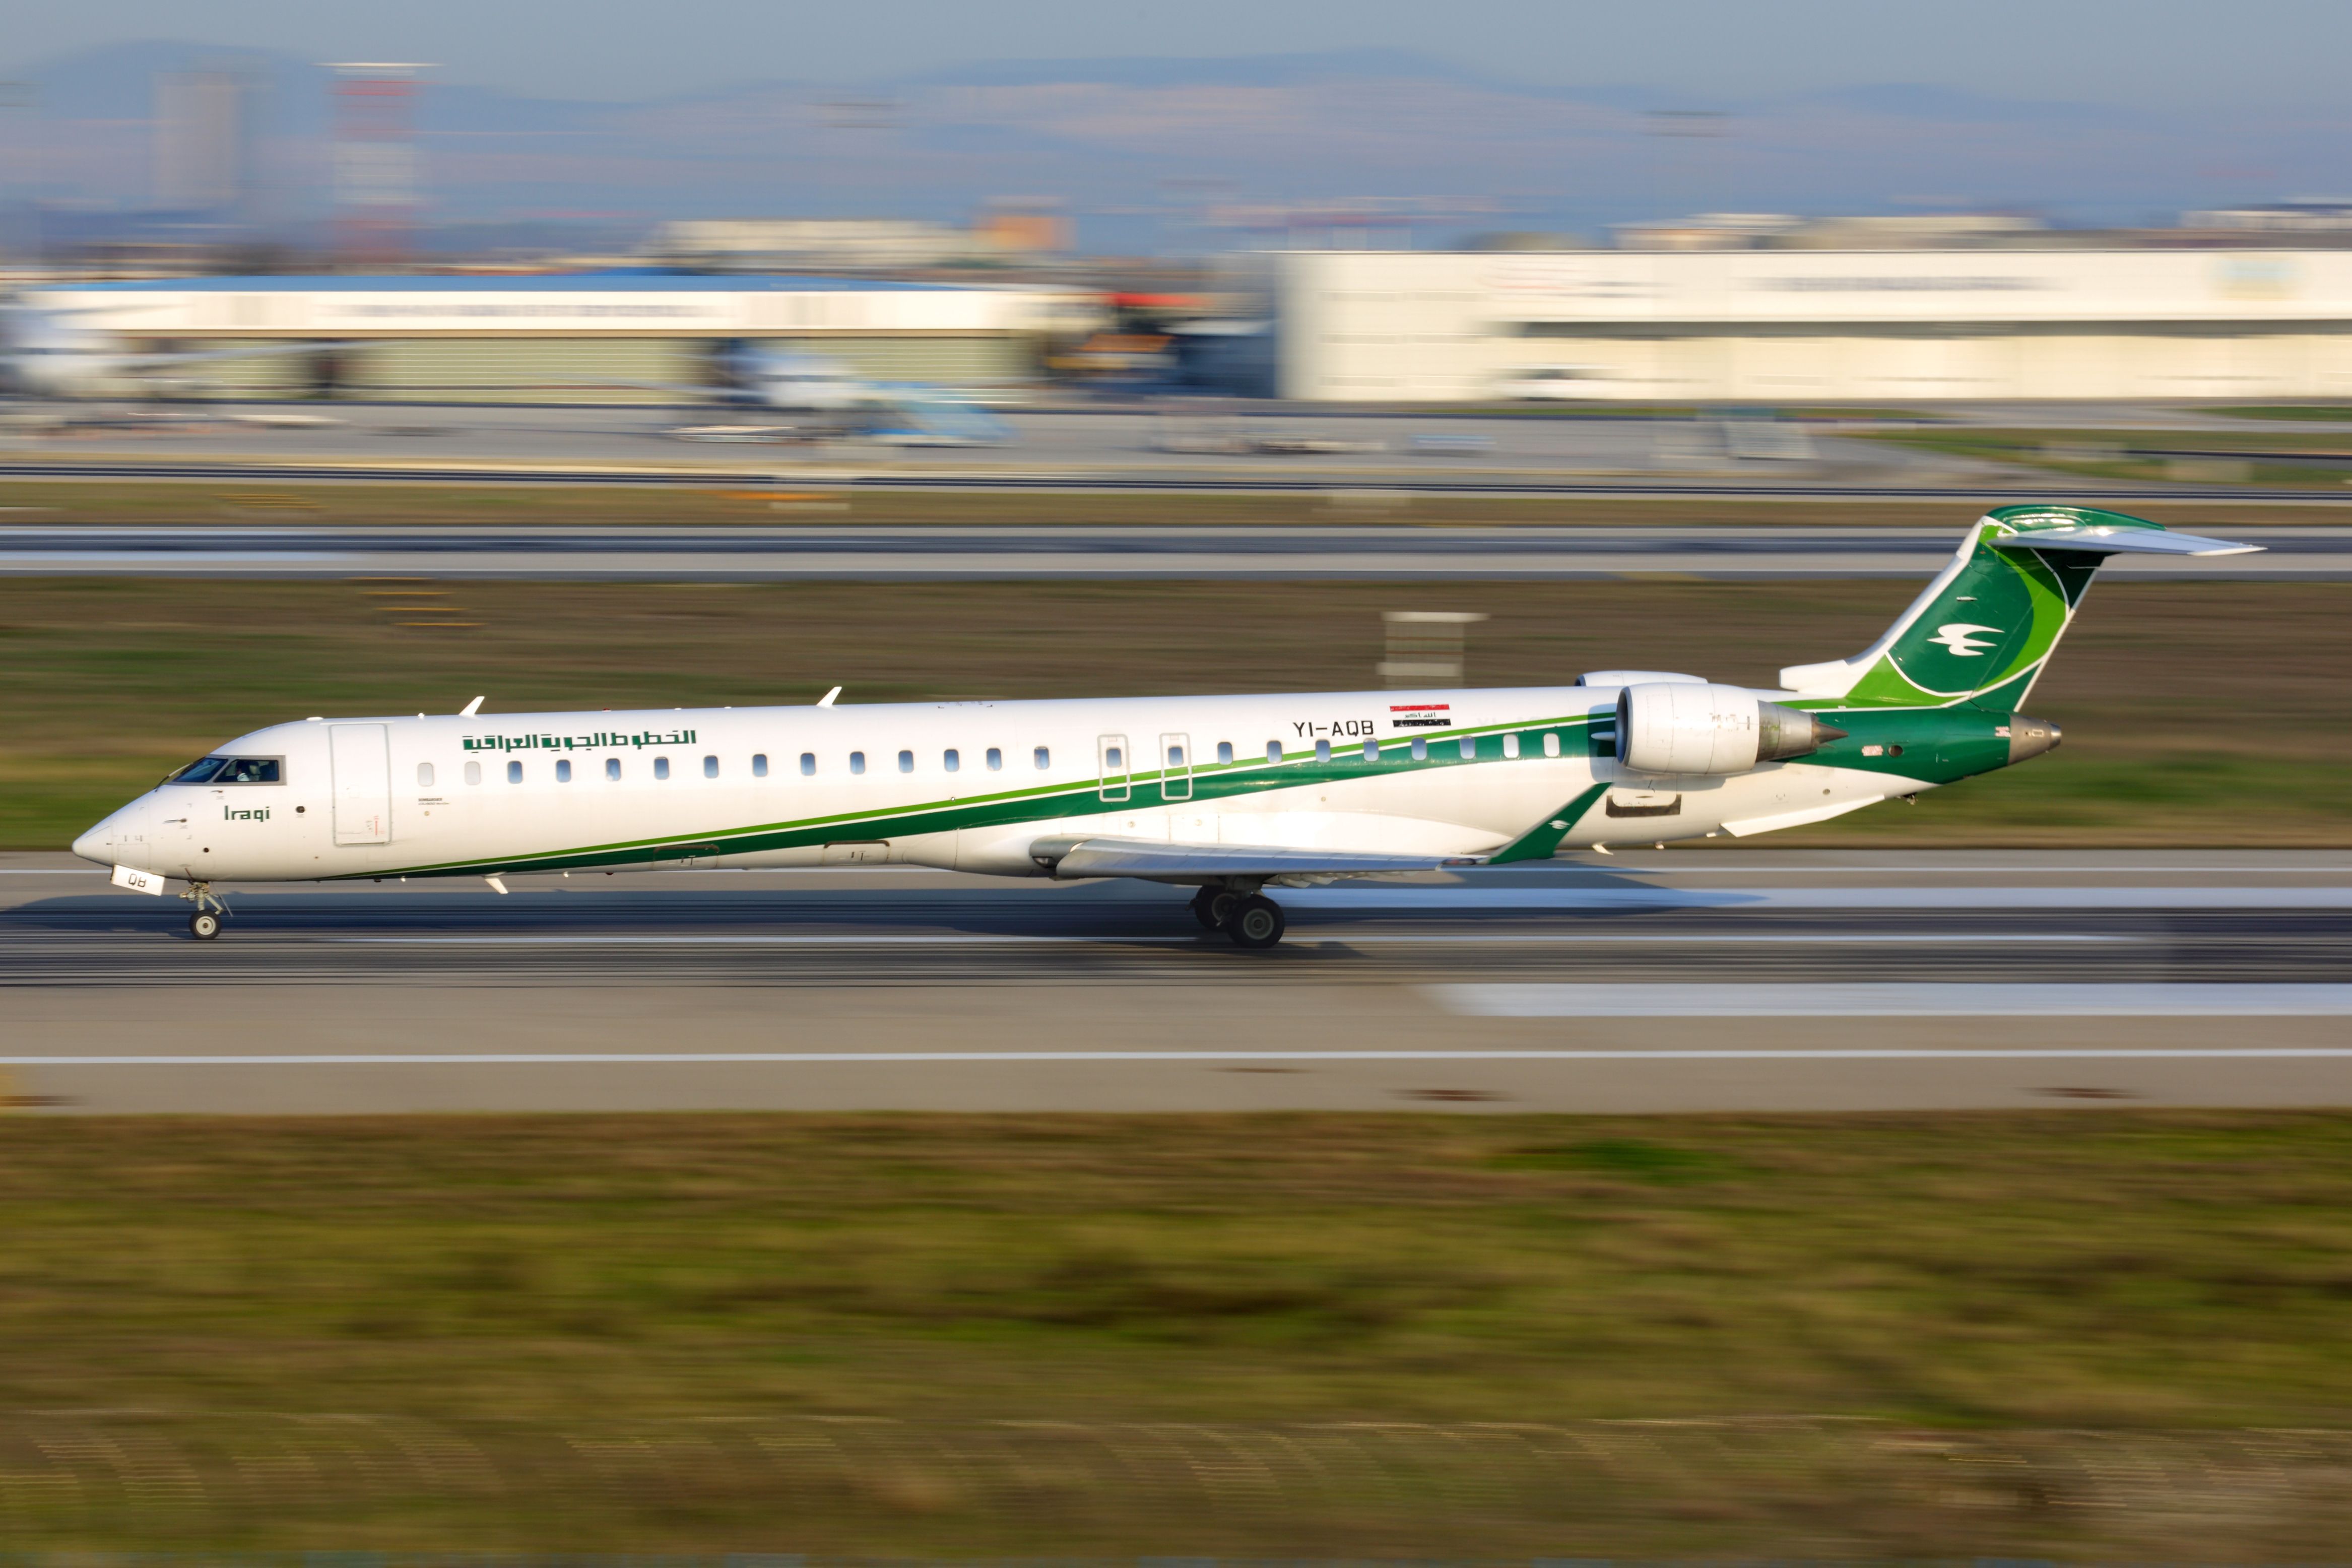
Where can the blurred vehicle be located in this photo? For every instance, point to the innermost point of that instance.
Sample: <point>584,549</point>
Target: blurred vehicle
<point>748,374</point>
<point>1450,444</point>
<point>46,352</point>
<point>1296,444</point>
<point>1549,384</point>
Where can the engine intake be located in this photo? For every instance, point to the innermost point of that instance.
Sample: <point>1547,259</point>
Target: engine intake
<point>1677,727</point>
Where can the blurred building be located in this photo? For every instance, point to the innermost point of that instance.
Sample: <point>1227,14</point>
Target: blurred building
<point>856,245</point>
<point>1794,324</point>
<point>2328,216</point>
<point>202,138</point>
<point>556,338</point>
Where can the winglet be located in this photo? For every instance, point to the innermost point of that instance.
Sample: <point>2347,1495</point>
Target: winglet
<point>827,700</point>
<point>470,708</point>
<point>1541,842</point>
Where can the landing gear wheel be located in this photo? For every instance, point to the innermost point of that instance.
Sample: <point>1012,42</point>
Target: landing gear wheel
<point>1256,922</point>
<point>203,925</point>
<point>1212,907</point>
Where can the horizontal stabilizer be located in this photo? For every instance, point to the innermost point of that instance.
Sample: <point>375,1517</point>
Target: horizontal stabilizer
<point>2098,540</point>
<point>1180,862</point>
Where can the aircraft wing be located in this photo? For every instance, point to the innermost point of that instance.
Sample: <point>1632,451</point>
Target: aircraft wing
<point>1155,860</point>
<point>2123,542</point>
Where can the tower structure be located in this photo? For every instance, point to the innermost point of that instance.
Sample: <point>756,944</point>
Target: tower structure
<point>377,188</point>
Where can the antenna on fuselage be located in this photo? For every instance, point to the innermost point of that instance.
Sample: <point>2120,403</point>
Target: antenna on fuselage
<point>827,700</point>
<point>470,708</point>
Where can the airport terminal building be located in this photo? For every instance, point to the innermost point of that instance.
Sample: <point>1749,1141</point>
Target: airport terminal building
<point>1786,326</point>
<point>539,338</point>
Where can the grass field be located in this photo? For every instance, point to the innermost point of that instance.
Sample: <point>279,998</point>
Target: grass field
<point>2076,1333</point>
<point>2197,714</point>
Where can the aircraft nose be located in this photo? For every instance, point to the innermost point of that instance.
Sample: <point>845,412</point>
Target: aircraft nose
<point>106,841</point>
<point>98,843</point>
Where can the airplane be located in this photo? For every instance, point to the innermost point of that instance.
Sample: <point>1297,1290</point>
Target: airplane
<point>1229,795</point>
<point>46,352</point>
<point>749,375</point>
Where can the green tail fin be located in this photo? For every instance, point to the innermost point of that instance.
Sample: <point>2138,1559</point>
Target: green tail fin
<point>1981,632</point>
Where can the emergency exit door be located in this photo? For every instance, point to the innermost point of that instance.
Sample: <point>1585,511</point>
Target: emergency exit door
<point>360,756</point>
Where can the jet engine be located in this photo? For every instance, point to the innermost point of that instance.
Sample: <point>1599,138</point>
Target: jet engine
<point>1682,727</point>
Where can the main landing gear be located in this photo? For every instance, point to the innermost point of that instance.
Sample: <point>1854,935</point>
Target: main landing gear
<point>205,923</point>
<point>1251,920</point>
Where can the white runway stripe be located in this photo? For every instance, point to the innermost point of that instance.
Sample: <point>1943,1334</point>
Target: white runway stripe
<point>1066,1058</point>
<point>1895,999</point>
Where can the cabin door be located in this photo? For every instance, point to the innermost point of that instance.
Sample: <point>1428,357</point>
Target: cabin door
<point>361,759</point>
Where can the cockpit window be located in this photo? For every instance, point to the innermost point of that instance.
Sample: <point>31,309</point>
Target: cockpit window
<point>232,770</point>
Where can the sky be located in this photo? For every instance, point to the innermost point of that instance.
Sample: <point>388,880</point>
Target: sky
<point>2281,54</point>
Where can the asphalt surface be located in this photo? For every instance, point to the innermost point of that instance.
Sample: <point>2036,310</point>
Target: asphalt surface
<point>817,551</point>
<point>1673,981</point>
<point>1110,449</point>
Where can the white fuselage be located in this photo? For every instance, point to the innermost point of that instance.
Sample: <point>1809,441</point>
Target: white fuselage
<point>962,786</point>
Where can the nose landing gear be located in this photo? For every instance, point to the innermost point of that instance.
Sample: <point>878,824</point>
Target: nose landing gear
<point>205,923</point>
<point>1250,919</point>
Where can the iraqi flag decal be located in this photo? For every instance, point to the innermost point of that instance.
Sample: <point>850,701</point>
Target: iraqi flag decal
<point>1421,715</point>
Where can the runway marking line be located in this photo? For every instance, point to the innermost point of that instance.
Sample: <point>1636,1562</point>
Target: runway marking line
<point>820,1058</point>
<point>1895,999</point>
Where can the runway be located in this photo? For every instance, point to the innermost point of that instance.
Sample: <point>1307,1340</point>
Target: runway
<point>1337,550</point>
<point>1673,981</point>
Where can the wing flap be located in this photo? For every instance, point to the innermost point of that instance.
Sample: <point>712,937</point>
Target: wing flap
<point>1151,860</point>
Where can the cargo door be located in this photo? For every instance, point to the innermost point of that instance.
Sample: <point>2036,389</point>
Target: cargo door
<point>360,755</point>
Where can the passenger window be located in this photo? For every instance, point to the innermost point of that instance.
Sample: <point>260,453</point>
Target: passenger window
<point>1043,758</point>
<point>613,769</point>
<point>473,772</point>
<point>425,775</point>
<point>951,760</point>
<point>1469,748</point>
<point>1551,743</point>
<point>996,759</point>
<point>808,764</point>
<point>1322,751</point>
<point>1274,751</point>
<point>758,764</point>
<point>1420,748</point>
<point>1371,751</point>
<point>905,762</point>
<point>563,770</point>
<point>1224,751</point>
<point>1510,745</point>
<point>857,761</point>
<point>661,767</point>
<point>710,767</point>
<point>514,772</point>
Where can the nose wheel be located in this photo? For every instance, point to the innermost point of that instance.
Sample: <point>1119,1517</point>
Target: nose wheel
<point>205,923</point>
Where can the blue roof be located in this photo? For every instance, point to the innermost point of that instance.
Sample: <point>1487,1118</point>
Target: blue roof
<point>634,280</point>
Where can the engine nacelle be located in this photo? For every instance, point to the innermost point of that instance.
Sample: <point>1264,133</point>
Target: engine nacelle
<point>1679,727</point>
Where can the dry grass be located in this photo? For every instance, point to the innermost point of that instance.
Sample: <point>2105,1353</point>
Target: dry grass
<point>2065,1334</point>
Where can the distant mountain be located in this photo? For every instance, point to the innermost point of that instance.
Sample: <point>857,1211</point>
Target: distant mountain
<point>1150,152</point>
